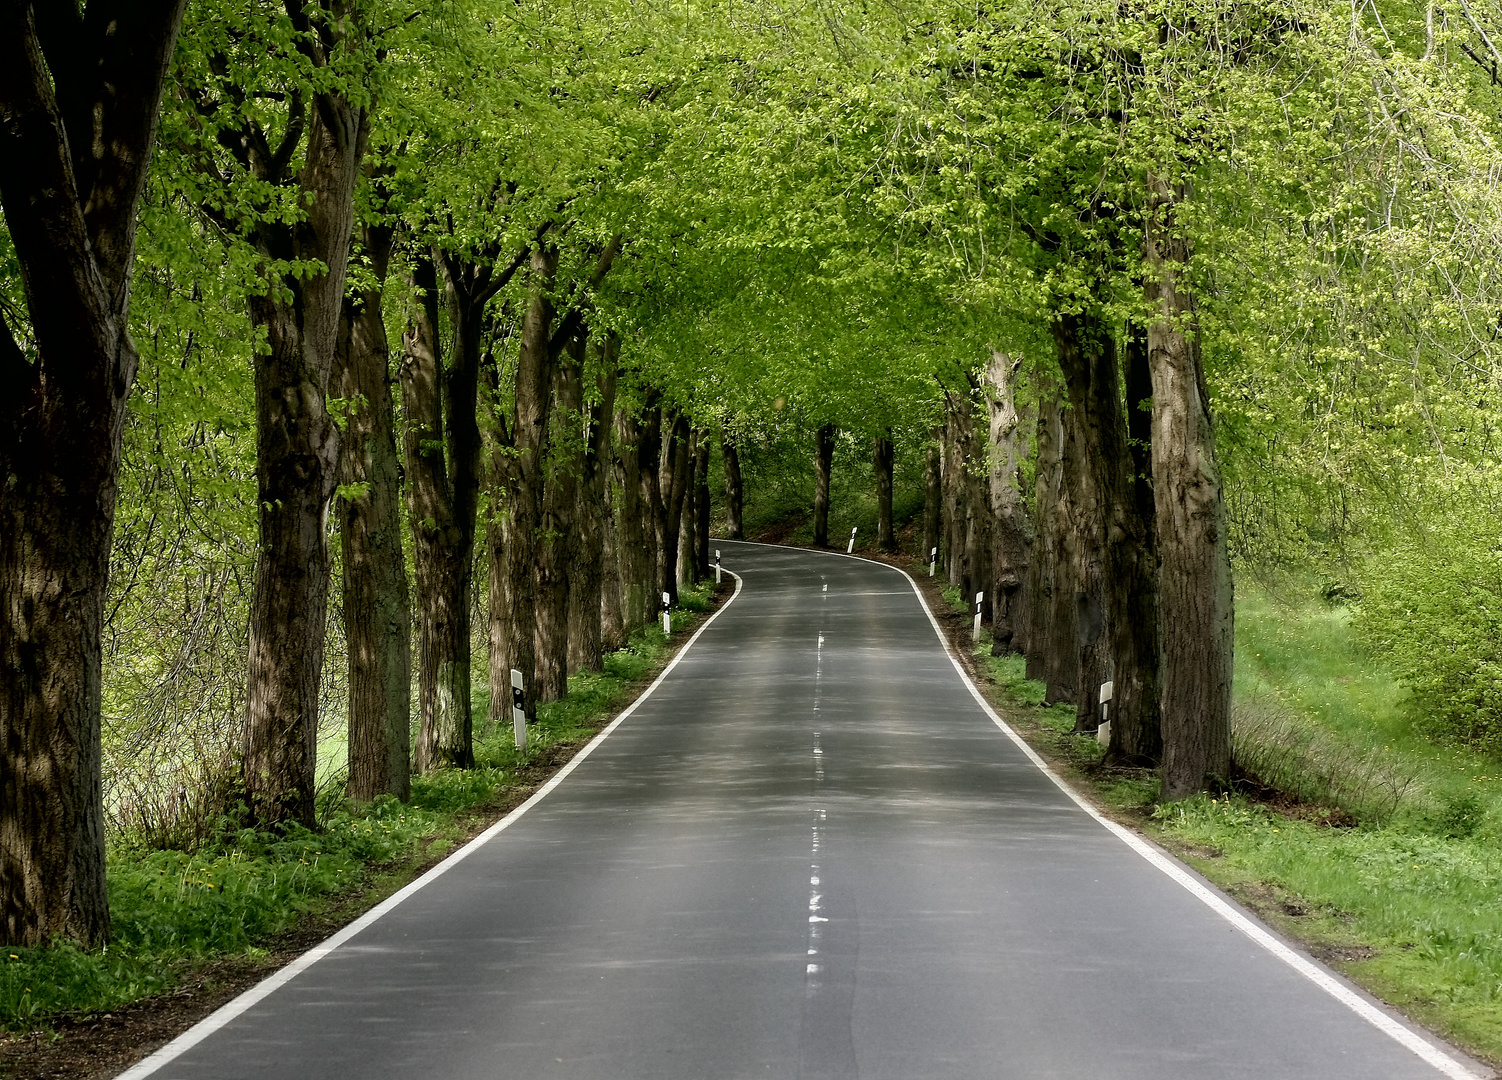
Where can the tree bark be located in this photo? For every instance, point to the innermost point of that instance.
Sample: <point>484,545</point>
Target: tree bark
<point>701,507</point>
<point>933,493</point>
<point>952,475</point>
<point>675,479</point>
<point>735,489</point>
<point>79,98</point>
<point>881,462</point>
<point>634,555</point>
<point>1011,535</point>
<point>590,570</point>
<point>557,532</point>
<point>376,610</point>
<point>823,464</point>
<point>654,518</point>
<point>1087,358</point>
<point>297,455</point>
<point>1195,571</point>
<point>978,512</point>
<point>530,425</point>
<point>688,536</point>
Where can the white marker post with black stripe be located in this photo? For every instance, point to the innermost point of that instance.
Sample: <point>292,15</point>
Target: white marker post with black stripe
<point>1103,733</point>
<point>518,712</point>
<point>975,635</point>
<point>667,619</point>
<point>850,547</point>
<point>933,560</point>
<point>716,566</point>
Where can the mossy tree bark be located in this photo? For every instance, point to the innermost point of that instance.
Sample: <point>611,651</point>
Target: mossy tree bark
<point>1011,534</point>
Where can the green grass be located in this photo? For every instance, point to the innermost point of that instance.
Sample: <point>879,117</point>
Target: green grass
<point>174,910</point>
<point>1405,900</point>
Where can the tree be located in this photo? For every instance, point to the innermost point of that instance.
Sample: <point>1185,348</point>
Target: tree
<point>79,102</point>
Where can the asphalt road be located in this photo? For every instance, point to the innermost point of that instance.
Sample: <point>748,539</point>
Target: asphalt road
<point>809,854</point>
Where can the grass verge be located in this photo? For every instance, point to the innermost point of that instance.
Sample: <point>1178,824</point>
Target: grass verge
<point>208,922</point>
<point>1348,830</point>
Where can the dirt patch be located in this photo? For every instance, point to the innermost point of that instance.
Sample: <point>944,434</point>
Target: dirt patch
<point>778,531</point>
<point>98,1046</point>
<point>1290,806</point>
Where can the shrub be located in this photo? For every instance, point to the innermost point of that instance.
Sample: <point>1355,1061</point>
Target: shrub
<point>1432,608</point>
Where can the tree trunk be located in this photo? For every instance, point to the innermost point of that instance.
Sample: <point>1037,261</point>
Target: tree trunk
<point>688,536</point>
<point>376,610</point>
<point>654,510</point>
<point>702,507</point>
<point>1011,535</point>
<point>1087,358</point>
<point>1051,655</point>
<point>933,493</point>
<point>952,474</point>
<point>735,490</point>
<point>675,479</point>
<point>557,534</point>
<point>526,440</point>
<point>881,461</point>
<point>1196,570</point>
<point>978,513</point>
<point>634,534</point>
<point>823,463</point>
<point>589,572</point>
<point>297,455</point>
<point>79,124</point>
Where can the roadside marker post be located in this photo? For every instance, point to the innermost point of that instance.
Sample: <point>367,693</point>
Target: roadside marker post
<point>975,635</point>
<point>933,560</point>
<point>716,566</point>
<point>1103,733</point>
<point>518,712</point>
<point>667,618</point>
<point>850,547</point>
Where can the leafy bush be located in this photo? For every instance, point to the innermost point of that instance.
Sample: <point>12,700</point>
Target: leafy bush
<point>1432,608</point>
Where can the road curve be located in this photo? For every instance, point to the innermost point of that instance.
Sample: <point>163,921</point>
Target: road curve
<point>808,854</point>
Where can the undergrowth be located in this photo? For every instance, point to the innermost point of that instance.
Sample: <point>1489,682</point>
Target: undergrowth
<point>171,910</point>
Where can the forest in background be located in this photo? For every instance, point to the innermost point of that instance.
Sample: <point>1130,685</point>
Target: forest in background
<point>414,355</point>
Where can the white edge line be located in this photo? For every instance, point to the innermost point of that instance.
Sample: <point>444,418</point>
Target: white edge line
<point>1316,974</point>
<point>227,1012</point>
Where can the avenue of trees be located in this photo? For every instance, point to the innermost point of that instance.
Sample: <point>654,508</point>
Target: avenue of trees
<point>355,353</point>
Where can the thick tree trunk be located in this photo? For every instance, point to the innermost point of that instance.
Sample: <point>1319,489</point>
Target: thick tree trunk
<point>933,494</point>
<point>78,118</point>
<point>613,627</point>
<point>1011,534</point>
<point>653,508</point>
<point>881,462</point>
<point>376,610</point>
<point>1087,357</point>
<point>590,573</point>
<point>952,473</point>
<point>634,534</point>
<point>978,513</point>
<point>1051,646</point>
<point>559,503</point>
<point>735,489</point>
<point>701,507</point>
<point>1195,569</point>
<point>439,549</point>
<point>1084,540</point>
<point>524,443</point>
<point>297,454</point>
<point>688,537</point>
<point>675,482</point>
<point>823,464</point>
